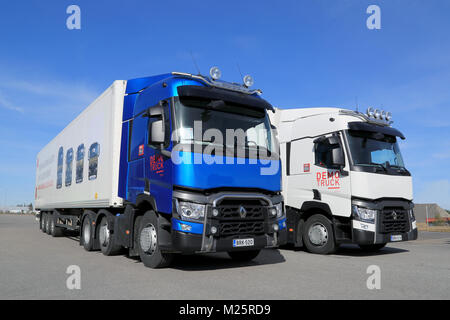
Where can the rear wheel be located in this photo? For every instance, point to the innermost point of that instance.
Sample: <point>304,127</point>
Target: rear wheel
<point>372,247</point>
<point>107,240</point>
<point>318,235</point>
<point>42,226</point>
<point>244,255</point>
<point>147,242</point>
<point>48,217</point>
<point>54,230</point>
<point>87,234</point>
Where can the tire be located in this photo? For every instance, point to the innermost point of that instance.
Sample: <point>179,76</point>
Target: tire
<point>48,217</point>
<point>372,247</point>
<point>42,223</point>
<point>147,242</point>
<point>244,256</point>
<point>54,230</point>
<point>87,239</point>
<point>107,240</point>
<point>318,235</point>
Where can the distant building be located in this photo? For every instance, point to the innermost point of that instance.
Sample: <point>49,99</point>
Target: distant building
<point>434,212</point>
<point>17,209</point>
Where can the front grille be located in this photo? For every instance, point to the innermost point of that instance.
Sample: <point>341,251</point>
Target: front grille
<point>394,220</point>
<point>233,212</point>
<point>233,222</point>
<point>241,228</point>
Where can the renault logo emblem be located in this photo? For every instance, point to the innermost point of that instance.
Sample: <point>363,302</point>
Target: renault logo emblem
<point>242,212</point>
<point>394,215</point>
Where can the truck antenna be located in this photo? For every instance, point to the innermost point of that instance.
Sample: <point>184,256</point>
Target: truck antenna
<point>239,69</point>
<point>356,101</point>
<point>195,63</point>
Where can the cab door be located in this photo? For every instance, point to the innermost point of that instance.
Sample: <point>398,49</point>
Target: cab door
<point>331,178</point>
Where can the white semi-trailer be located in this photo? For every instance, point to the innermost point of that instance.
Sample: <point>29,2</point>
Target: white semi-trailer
<point>344,179</point>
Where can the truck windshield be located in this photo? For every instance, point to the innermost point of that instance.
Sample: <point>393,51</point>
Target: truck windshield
<point>222,117</point>
<point>374,149</point>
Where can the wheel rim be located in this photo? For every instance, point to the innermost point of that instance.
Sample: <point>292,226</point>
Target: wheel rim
<point>86,232</point>
<point>47,224</point>
<point>148,239</point>
<point>52,226</point>
<point>318,234</point>
<point>42,223</point>
<point>104,235</point>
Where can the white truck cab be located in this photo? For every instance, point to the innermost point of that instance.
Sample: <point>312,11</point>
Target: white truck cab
<point>344,179</point>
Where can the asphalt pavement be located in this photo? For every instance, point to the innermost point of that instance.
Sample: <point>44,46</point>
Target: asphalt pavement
<point>34,265</point>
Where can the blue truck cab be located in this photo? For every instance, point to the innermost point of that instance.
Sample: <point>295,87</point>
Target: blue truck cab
<point>188,190</point>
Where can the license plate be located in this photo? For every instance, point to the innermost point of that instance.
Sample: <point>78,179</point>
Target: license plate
<point>396,238</point>
<point>243,242</point>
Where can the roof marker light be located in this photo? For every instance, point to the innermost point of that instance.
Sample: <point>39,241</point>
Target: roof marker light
<point>215,73</point>
<point>370,112</point>
<point>248,81</point>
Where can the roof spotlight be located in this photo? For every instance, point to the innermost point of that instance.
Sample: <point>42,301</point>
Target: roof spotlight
<point>383,115</point>
<point>215,73</point>
<point>248,81</point>
<point>388,116</point>
<point>370,112</point>
<point>377,114</point>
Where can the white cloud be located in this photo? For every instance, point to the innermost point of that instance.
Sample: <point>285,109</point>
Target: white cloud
<point>5,103</point>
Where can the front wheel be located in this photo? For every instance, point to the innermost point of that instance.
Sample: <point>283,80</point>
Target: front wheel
<point>318,235</point>
<point>244,256</point>
<point>147,242</point>
<point>372,247</point>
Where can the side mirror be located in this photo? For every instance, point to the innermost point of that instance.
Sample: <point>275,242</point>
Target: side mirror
<point>157,132</point>
<point>338,158</point>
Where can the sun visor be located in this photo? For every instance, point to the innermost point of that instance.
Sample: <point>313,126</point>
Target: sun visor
<point>364,126</point>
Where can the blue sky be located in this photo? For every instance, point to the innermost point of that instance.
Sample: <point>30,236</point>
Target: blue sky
<point>301,53</point>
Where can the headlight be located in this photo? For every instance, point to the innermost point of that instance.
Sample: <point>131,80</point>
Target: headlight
<point>279,208</point>
<point>190,210</point>
<point>411,215</point>
<point>363,214</point>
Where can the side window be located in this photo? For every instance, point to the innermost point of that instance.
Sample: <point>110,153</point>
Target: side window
<point>138,137</point>
<point>69,161</point>
<point>150,121</point>
<point>80,164</point>
<point>94,153</point>
<point>323,153</point>
<point>59,170</point>
<point>167,131</point>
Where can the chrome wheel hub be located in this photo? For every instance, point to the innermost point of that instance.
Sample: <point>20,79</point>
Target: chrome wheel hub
<point>86,233</point>
<point>148,239</point>
<point>318,234</point>
<point>104,235</point>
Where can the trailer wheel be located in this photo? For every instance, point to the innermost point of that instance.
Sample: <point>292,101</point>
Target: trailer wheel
<point>87,238</point>
<point>372,247</point>
<point>244,256</point>
<point>147,242</point>
<point>42,222</point>
<point>48,217</point>
<point>54,230</point>
<point>107,240</point>
<point>318,235</point>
